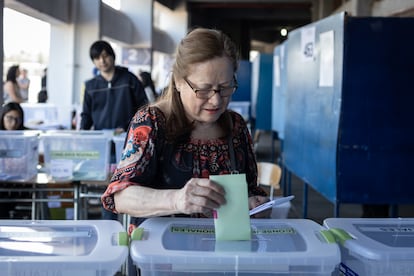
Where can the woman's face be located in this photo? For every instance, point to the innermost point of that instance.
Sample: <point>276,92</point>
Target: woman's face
<point>12,120</point>
<point>213,74</point>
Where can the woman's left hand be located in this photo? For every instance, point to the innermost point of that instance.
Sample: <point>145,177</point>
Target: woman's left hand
<point>255,201</point>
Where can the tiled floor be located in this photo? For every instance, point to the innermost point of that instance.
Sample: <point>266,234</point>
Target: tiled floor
<point>319,208</point>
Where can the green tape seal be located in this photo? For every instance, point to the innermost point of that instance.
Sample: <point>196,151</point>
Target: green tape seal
<point>137,234</point>
<point>123,239</point>
<point>328,236</point>
<point>340,235</point>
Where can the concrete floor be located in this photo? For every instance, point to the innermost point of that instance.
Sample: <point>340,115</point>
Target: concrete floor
<point>319,208</point>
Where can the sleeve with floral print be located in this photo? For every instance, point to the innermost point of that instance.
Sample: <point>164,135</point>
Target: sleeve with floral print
<point>138,157</point>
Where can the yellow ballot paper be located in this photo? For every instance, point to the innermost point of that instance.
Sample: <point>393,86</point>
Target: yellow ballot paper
<point>232,220</point>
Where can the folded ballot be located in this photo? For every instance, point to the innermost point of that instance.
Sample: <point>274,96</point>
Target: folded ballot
<point>270,204</point>
<point>232,220</point>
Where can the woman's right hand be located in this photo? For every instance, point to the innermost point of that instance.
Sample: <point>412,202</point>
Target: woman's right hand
<point>199,195</point>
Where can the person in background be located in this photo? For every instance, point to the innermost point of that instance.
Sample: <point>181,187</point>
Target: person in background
<point>42,95</point>
<point>146,80</point>
<point>175,144</point>
<point>12,117</point>
<point>24,84</point>
<point>44,79</point>
<point>111,97</point>
<point>11,90</point>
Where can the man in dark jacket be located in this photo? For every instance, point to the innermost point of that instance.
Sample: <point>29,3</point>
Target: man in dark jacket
<point>113,96</point>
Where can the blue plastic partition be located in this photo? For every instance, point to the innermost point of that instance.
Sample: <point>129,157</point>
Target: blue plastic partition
<point>241,99</point>
<point>349,130</point>
<point>244,75</point>
<point>262,79</point>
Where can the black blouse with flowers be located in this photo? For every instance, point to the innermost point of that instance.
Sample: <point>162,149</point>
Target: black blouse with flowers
<point>150,161</point>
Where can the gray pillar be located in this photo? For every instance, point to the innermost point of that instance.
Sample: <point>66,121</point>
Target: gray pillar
<point>140,12</point>
<point>70,64</point>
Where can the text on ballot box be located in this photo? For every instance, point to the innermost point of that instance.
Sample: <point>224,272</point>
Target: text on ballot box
<point>61,168</point>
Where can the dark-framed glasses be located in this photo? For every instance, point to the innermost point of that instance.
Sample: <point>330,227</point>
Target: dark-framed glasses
<point>207,93</point>
<point>11,118</point>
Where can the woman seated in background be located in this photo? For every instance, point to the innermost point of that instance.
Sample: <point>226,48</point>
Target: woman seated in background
<point>12,117</point>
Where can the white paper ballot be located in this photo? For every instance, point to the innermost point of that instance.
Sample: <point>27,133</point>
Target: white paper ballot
<point>270,204</point>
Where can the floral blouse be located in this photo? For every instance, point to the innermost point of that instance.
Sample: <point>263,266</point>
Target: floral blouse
<point>149,160</point>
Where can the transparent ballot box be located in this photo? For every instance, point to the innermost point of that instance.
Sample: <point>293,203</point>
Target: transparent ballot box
<point>58,247</point>
<point>374,246</point>
<point>77,155</point>
<point>18,154</point>
<point>119,141</point>
<point>185,246</point>
<point>41,116</point>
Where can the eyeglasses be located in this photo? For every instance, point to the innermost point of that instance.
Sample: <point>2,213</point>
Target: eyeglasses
<point>207,93</point>
<point>10,118</point>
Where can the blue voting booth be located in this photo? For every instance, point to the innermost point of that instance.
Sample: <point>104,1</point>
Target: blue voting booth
<point>241,100</point>
<point>244,75</point>
<point>349,130</point>
<point>262,79</point>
